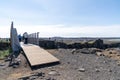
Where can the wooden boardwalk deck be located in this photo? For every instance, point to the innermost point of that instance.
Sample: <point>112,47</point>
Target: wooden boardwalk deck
<point>37,56</point>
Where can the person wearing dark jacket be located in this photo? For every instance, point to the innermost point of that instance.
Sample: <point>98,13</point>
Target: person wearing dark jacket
<point>25,35</point>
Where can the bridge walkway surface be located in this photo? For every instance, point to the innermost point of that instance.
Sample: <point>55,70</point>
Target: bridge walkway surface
<point>37,55</point>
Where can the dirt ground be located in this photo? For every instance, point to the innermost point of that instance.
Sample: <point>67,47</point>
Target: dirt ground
<point>74,65</point>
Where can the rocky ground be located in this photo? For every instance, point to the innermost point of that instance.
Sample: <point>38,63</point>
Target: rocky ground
<point>75,64</point>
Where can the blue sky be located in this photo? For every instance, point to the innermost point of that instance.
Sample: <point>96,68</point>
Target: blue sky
<point>68,16</point>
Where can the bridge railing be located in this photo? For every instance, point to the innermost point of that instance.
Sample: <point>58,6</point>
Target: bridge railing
<point>33,38</point>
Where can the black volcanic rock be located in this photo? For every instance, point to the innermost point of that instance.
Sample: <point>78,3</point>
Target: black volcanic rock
<point>98,44</point>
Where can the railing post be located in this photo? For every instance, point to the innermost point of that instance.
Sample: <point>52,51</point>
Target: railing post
<point>37,38</point>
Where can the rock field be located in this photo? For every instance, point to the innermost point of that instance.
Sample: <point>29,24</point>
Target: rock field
<point>75,64</point>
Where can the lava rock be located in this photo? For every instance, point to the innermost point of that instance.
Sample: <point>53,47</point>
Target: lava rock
<point>99,54</point>
<point>53,73</point>
<point>81,69</point>
<point>97,70</point>
<point>99,44</point>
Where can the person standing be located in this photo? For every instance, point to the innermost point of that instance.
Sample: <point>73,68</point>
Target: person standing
<point>19,37</point>
<point>25,35</point>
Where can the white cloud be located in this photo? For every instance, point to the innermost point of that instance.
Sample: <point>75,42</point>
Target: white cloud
<point>65,31</point>
<point>4,32</point>
<point>73,31</point>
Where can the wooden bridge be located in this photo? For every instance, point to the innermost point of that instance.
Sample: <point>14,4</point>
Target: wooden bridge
<point>36,55</point>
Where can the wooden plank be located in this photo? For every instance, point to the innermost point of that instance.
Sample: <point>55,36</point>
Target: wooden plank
<point>37,55</point>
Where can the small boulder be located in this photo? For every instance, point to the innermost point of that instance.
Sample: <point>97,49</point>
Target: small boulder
<point>99,54</point>
<point>81,69</point>
<point>3,64</point>
<point>85,51</point>
<point>97,70</point>
<point>118,63</point>
<point>15,66</point>
<point>110,70</point>
<point>53,73</point>
<point>110,52</point>
<point>118,54</point>
<point>73,51</point>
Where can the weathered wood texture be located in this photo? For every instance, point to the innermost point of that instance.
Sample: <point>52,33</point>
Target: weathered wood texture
<point>36,55</point>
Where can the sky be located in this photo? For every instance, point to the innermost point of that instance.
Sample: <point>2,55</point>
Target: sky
<point>64,18</point>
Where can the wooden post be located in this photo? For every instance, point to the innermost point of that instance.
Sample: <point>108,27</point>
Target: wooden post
<point>37,38</point>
